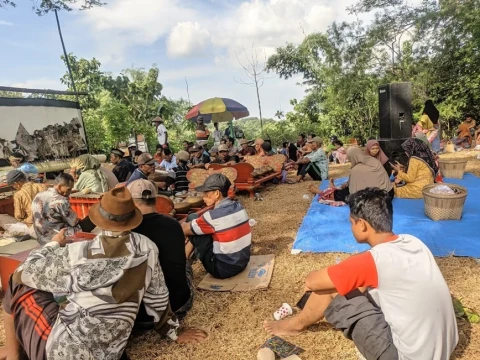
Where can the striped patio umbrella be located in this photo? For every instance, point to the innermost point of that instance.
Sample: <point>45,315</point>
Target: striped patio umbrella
<point>217,110</point>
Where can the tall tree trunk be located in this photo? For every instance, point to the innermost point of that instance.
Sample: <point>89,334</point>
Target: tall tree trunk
<point>259,105</point>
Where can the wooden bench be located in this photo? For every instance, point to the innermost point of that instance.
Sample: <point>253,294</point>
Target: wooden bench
<point>245,179</point>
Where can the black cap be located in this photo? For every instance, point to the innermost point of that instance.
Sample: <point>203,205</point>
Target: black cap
<point>117,152</point>
<point>215,182</point>
<point>15,176</point>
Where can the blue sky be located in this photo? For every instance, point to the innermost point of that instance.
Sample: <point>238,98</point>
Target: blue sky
<point>192,39</point>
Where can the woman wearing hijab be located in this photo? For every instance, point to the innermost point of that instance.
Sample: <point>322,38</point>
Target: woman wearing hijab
<point>373,149</point>
<point>429,125</point>
<point>366,172</point>
<point>422,170</point>
<point>90,175</point>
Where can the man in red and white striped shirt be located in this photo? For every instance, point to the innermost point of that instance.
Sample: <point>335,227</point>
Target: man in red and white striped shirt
<point>222,236</point>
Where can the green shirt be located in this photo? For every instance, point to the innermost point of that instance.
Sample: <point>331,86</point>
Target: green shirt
<point>319,160</point>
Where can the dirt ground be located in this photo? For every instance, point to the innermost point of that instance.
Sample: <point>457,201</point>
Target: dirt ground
<point>234,320</point>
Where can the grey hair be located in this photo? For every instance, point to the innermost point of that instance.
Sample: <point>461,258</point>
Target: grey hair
<point>64,179</point>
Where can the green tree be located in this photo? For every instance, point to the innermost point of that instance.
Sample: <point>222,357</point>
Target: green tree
<point>117,106</point>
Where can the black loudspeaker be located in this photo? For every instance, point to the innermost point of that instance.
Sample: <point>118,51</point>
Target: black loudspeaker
<point>395,110</point>
<point>391,146</point>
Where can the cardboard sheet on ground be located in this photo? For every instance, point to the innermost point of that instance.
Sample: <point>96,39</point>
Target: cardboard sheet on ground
<point>257,275</point>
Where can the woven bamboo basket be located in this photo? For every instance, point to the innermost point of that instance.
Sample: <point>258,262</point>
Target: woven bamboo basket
<point>452,168</point>
<point>442,206</point>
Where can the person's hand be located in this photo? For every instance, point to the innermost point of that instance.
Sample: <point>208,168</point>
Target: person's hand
<point>60,238</point>
<point>397,166</point>
<point>397,181</point>
<point>192,336</point>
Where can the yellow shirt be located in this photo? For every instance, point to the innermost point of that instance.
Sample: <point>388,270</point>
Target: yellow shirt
<point>417,177</point>
<point>22,201</point>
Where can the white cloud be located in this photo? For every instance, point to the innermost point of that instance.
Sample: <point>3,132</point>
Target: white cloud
<point>6,23</point>
<point>40,83</point>
<point>201,40</point>
<point>187,39</point>
<point>125,23</point>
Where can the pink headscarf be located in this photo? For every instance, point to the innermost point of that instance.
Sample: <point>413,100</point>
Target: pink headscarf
<point>380,156</point>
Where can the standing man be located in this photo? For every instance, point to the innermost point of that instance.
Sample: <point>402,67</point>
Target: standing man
<point>123,169</point>
<point>162,135</point>
<point>314,164</point>
<point>217,134</point>
<point>52,211</point>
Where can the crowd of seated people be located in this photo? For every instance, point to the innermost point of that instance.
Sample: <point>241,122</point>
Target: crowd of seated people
<point>152,287</point>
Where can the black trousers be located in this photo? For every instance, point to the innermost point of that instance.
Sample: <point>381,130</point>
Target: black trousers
<point>342,194</point>
<point>311,170</point>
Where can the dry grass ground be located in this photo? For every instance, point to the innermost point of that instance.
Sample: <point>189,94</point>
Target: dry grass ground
<point>234,320</point>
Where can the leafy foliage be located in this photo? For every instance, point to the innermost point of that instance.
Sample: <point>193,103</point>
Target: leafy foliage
<point>116,107</point>
<point>434,45</point>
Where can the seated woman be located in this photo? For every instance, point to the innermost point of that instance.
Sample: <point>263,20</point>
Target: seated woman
<point>429,125</point>
<point>339,154</point>
<point>421,171</point>
<point>90,176</point>
<point>366,172</point>
<point>373,149</point>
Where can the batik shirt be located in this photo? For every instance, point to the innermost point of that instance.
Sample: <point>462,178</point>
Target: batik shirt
<point>104,281</point>
<point>52,211</point>
<point>320,161</point>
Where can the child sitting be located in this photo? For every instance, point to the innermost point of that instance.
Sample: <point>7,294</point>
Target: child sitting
<point>391,300</point>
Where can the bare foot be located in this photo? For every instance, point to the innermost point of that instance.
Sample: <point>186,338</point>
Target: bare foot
<point>285,327</point>
<point>331,183</point>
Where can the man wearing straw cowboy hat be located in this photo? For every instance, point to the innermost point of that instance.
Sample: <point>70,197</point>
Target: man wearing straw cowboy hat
<point>105,280</point>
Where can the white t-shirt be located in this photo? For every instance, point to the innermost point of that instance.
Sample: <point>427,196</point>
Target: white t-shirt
<point>405,282</point>
<point>217,136</point>
<point>162,134</point>
<point>169,165</point>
